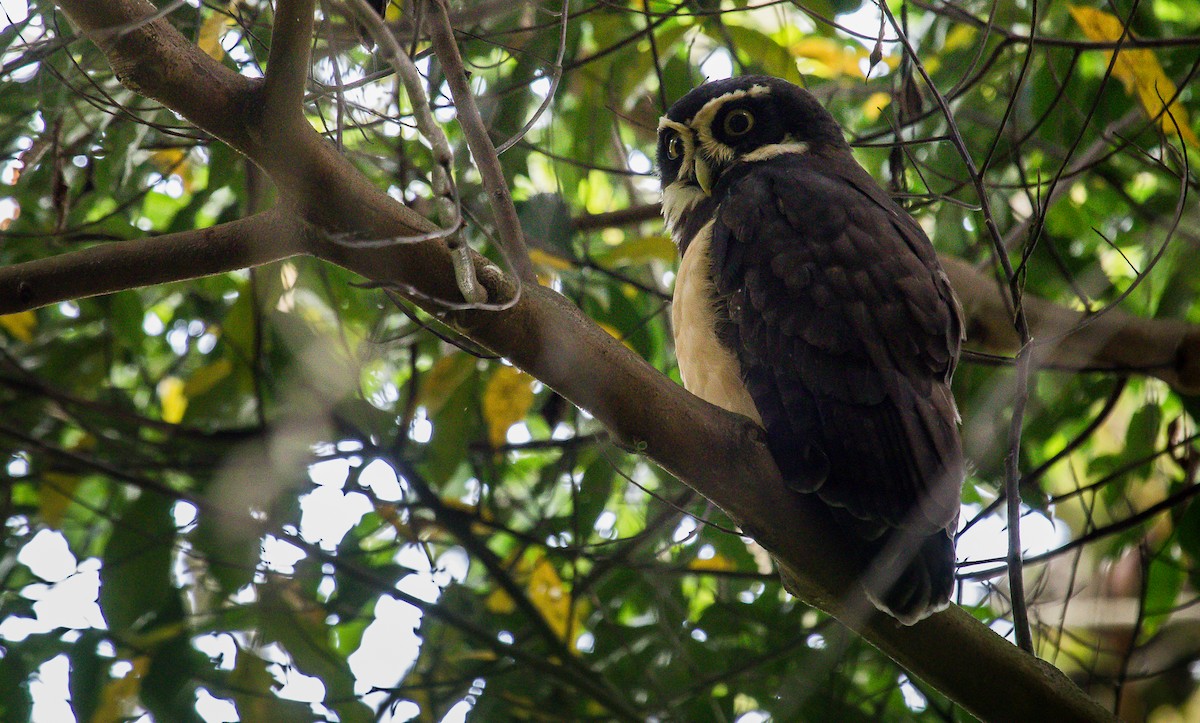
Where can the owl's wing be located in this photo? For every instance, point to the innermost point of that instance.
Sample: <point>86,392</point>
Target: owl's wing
<point>847,333</point>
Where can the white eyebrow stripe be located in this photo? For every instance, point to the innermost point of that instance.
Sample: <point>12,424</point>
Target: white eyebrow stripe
<point>773,150</point>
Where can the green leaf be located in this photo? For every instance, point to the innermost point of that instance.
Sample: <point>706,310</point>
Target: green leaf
<point>89,674</point>
<point>303,633</point>
<point>253,689</point>
<point>168,689</point>
<point>16,703</point>
<point>135,579</point>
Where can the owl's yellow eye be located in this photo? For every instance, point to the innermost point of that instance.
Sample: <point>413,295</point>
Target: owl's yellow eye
<point>674,147</point>
<point>739,122</point>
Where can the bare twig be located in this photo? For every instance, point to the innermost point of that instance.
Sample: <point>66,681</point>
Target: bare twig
<point>446,199</point>
<point>507,224</point>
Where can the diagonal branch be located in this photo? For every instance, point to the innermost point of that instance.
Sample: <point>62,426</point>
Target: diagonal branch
<point>121,265</point>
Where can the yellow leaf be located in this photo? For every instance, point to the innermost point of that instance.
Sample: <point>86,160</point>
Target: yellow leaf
<point>174,161</point>
<point>548,596</point>
<point>119,697</point>
<point>500,602</point>
<point>960,36</point>
<point>20,324</point>
<point>641,250</point>
<point>874,105</point>
<point>57,491</point>
<point>716,563</point>
<point>214,27</point>
<point>1139,70</point>
<point>829,58</point>
<point>550,261</point>
<point>206,377</point>
<point>506,401</point>
<point>172,399</point>
<point>552,599</point>
<point>447,374</point>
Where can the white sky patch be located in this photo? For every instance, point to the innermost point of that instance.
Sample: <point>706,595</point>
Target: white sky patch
<point>389,646</point>
<point>68,603</point>
<point>518,434</point>
<point>639,162</point>
<point>458,712</point>
<point>912,697</point>
<point>184,513</point>
<point>17,11</point>
<point>717,66</point>
<point>18,466</point>
<point>865,21</point>
<point>219,647</point>
<point>49,691</point>
<point>382,480</point>
<point>170,186</point>
<point>152,325</point>
<point>48,556</point>
<point>215,710</point>
<point>421,430</point>
<point>280,555</point>
<point>327,514</point>
<point>687,528</point>
<point>9,210</point>
<point>988,540</point>
<point>14,10</point>
<point>330,472</point>
<point>540,87</point>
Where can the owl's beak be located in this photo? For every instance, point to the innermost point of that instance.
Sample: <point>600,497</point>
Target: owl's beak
<point>704,176</point>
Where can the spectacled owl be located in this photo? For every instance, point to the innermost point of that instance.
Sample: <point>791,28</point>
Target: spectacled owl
<point>810,302</point>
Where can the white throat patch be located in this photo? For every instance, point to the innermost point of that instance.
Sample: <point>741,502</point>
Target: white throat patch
<point>709,370</point>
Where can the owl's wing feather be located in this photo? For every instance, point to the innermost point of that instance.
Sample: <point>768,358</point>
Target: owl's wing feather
<point>847,333</point>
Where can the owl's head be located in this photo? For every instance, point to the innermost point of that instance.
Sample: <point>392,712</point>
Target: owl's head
<point>749,118</point>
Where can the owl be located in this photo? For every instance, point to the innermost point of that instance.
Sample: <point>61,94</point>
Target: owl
<point>809,301</point>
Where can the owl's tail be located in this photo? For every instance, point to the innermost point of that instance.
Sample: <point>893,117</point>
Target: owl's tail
<point>911,576</point>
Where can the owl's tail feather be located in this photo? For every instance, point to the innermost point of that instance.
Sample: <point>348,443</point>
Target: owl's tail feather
<point>911,578</point>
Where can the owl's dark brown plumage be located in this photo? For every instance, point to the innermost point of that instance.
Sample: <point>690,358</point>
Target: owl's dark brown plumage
<point>809,301</point>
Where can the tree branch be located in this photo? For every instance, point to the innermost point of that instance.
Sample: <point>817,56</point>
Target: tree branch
<point>289,58</point>
<point>121,265</point>
<point>1168,349</point>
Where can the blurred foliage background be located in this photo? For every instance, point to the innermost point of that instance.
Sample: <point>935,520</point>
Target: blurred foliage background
<point>280,494</point>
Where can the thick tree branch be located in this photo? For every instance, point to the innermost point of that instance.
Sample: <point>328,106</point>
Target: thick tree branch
<point>120,265</point>
<point>289,58</point>
<point>1164,348</point>
<point>721,455</point>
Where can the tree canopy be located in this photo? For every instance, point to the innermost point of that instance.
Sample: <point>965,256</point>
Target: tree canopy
<point>336,377</point>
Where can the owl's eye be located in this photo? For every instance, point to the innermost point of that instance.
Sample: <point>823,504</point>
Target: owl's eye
<point>739,122</point>
<point>674,147</point>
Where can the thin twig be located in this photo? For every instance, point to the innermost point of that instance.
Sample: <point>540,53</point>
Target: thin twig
<point>556,72</point>
<point>507,223</point>
<point>446,199</point>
